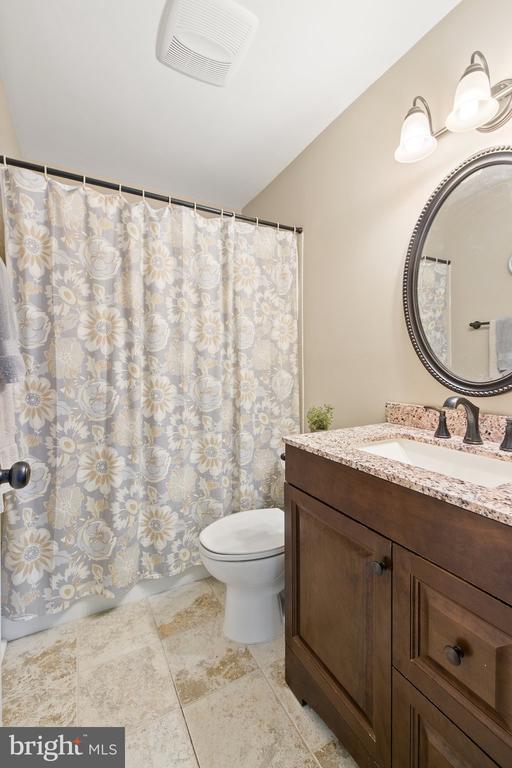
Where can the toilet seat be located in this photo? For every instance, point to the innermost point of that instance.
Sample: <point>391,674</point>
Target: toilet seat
<point>254,534</point>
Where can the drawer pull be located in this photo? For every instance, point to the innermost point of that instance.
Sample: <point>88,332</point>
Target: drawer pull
<point>378,568</point>
<point>454,654</point>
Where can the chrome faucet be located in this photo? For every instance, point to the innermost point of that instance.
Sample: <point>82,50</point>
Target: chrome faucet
<point>472,436</point>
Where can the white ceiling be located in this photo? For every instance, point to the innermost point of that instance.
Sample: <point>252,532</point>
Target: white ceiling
<point>87,92</point>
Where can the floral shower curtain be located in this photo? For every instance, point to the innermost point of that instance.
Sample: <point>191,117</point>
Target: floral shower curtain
<point>162,371</point>
<point>434,306</point>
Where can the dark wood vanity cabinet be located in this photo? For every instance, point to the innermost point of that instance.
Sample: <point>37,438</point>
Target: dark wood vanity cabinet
<point>338,623</point>
<point>407,660</point>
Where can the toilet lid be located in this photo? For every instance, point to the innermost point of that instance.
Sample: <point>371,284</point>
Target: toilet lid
<point>250,533</point>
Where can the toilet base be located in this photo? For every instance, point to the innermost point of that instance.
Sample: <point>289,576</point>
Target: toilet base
<point>252,616</point>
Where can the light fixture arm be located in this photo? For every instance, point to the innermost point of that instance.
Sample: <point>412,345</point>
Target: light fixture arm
<point>426,109</point>
<point>483,61</point>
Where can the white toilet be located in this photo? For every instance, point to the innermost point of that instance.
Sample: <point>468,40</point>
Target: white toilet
<point>246,552</point>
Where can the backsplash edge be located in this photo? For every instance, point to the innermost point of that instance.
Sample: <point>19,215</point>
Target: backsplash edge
<point>492,426</point>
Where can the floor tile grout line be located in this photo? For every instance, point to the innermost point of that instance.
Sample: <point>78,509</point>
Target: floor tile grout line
<point>143,602</point>
<point>268,663</point>
<point>261,667</point>
<point>213,690</point>
<point>289,717</point>
<point>265,674</point>
<point>171,676</point>
<point>208,623</point>
<point>260,672</point>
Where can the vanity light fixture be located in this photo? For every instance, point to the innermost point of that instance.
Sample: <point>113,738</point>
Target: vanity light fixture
<point>474,105</point>
<point>417,139</point>
<point>477,106</point>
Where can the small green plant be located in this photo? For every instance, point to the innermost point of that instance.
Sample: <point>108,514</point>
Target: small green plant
<point>320,417</point>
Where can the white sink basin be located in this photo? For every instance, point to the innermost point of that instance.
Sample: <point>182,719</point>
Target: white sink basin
<point>458,464</point>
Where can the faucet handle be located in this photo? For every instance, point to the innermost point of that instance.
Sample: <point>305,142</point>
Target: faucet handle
<point>442,430</point>
<point>507,440</point>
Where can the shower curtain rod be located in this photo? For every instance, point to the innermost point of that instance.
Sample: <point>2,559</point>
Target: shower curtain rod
<point>141,193</point>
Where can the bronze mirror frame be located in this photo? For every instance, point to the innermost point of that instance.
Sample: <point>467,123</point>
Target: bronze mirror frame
<point>487,157</point>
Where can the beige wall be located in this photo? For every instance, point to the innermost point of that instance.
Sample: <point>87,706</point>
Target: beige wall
<point>8,145</point>
<point>358,208</point>
<point>8,141</point>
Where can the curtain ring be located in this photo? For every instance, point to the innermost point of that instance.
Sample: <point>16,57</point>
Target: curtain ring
<point>143,194</point>
<point>278,226</point>
<point>222,214</point>
<point>83,184</point>
<point>257,221</point>
<point>170,202</point>
<point>5,161</point>
<point>195,207</point>
<point>46,173</point>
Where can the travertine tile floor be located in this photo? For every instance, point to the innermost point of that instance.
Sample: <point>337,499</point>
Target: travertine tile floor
<point>163,669</point>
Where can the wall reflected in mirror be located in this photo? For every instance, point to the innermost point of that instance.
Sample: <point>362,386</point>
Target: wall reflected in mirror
<point>464,277</point>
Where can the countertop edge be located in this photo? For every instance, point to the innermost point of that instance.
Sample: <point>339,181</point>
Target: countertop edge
<point>493,503</point>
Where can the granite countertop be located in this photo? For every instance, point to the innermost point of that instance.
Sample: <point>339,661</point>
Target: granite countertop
<point>340,445</point>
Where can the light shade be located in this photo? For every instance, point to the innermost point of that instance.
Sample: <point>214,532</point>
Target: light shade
<point>416,139</point>
<point>474,104</point>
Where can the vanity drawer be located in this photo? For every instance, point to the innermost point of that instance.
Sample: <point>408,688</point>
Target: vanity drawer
<point>424,738</point>
<point>454,643</point>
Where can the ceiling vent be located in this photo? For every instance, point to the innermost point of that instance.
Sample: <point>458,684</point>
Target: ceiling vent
<point>205,39</point>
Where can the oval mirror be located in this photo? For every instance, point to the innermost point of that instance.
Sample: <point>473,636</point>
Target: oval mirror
<point>458,277</point>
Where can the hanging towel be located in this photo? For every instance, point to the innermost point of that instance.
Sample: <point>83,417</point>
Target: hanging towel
<point>504,344</point>
<point>493,362</point>
<point>12,367</point>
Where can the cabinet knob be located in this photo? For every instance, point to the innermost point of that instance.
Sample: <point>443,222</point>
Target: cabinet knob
<point>378,567</point>
<point>454,654</point>
<point>17,476</point>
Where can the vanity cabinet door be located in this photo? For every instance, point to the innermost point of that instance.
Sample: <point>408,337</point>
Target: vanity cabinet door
<point>338,623</point>
<point>424,738</point>
<point>454,643</point>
